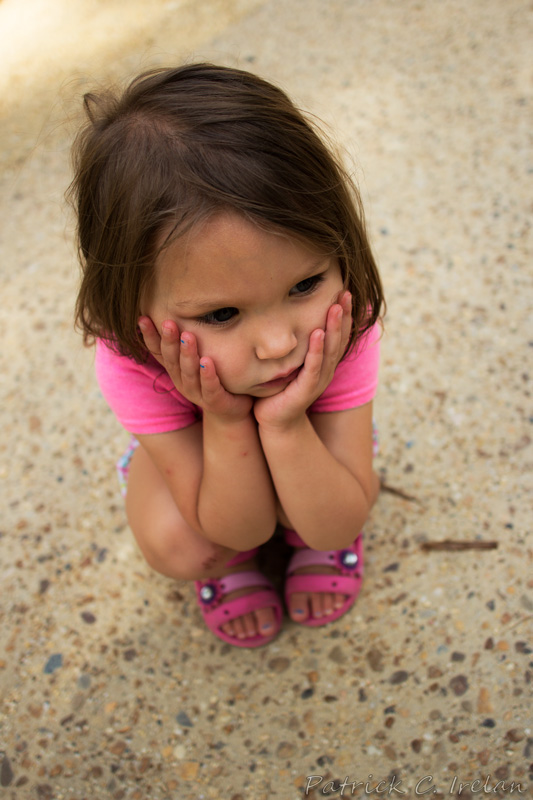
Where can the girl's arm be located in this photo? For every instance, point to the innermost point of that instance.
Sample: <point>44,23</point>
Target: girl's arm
<point>321,466</point>
<point>216,469</point>
<point>322,471</point>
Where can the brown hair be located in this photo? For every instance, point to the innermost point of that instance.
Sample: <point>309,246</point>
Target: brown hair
<point>178,145</point>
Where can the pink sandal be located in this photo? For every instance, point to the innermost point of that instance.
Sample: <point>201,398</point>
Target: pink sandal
<point>217,611</point>
<point>348,561</point>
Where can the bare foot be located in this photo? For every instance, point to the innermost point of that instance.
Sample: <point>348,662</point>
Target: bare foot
<point>257,623</point>
<point>303,605</point>
<point>336,594</point>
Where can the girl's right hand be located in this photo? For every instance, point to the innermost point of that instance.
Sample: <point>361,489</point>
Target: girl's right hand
<point>194,377</point>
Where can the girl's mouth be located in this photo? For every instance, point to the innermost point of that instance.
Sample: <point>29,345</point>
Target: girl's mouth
<point>282,379</point>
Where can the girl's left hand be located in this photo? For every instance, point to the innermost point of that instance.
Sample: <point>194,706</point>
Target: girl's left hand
<point>326,348</point>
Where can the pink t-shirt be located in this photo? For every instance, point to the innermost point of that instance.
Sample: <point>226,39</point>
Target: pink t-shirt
<point>145,400</point>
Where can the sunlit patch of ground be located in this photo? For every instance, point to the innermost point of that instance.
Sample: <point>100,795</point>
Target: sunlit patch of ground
<point>51,50</point>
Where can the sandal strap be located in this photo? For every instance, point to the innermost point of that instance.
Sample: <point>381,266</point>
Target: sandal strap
<point>230,583</point>
<point>335,584</point>
<point>346,560</point>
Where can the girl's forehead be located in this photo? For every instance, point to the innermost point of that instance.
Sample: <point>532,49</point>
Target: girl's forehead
<point>228,259</point>
<point>227,243</point>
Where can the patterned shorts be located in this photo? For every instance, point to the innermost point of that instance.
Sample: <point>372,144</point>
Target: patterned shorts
<point>123,464</point>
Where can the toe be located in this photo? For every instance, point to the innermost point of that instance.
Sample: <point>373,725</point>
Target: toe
<point>316,605</point>
<point>298,606</point>
<point>327,604</point>
<point>239,628</point>
<point>250,626</point>
<point>265,621</point>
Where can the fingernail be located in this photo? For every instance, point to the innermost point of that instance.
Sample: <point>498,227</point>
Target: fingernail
<point>142,325</point>
<point>166,328</point>
<point>183,341</point>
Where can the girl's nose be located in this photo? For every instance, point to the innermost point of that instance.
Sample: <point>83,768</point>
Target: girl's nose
<point>275,342</point>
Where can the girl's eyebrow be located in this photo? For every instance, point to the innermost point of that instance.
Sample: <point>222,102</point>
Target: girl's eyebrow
<point>317,267</point>
<point>203,304</point>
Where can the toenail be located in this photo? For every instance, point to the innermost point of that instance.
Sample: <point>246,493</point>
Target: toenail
<point>328,611</point>
<point>298,611</point>
<point>266,626</point>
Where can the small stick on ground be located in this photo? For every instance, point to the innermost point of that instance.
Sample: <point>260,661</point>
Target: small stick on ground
<point>398,493</point>
<point>451,544</point>
<point>520,621</point>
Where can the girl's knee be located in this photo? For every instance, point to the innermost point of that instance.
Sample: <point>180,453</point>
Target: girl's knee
<point>178,552</point>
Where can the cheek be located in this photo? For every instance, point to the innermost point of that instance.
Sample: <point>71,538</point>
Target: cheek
<point>226,353</point>
<point>318,313</point>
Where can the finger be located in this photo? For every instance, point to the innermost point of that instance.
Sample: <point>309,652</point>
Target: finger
<point>338,326</point>
<point>189,358</point>
<point>314,358</point>
<point>170,350</point>
<point>209,379</point>
<point>150,336</point>
<point>347,319</point>
<point>333,331</point>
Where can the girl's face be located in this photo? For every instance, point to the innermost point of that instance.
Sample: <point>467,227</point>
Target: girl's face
<point>250,297</point>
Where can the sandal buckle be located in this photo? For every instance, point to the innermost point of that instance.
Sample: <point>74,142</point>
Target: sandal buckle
<point>348,559</point>
<point>208,593</point>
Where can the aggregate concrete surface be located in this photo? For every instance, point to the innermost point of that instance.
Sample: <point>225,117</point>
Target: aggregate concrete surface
<point>110,685</point>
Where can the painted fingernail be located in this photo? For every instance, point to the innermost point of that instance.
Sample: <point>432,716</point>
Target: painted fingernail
<point>183,341</point>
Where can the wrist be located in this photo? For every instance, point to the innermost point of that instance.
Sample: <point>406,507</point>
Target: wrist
<point>284,428</point>
<point>229,421</point>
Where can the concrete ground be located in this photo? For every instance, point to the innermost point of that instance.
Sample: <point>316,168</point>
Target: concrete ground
<point>110,687</point>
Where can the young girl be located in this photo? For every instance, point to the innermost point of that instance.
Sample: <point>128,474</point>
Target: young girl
<point>232,292</point>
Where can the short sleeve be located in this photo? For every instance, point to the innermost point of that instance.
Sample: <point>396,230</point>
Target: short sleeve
<point>356,378</point>
<point>142,396</point>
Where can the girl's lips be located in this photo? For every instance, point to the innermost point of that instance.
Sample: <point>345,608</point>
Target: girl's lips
<point>285,378</point>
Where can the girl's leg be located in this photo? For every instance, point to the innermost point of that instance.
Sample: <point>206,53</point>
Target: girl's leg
<point>310,604</point>
<point>303,605</point>
<point>173,548</point>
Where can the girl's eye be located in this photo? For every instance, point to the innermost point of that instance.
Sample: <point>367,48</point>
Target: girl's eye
<point>218,317</point>
<point>307,286</point>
